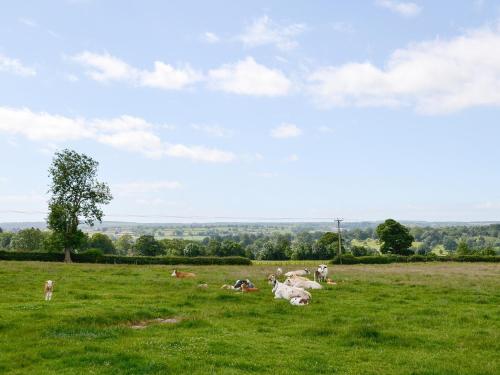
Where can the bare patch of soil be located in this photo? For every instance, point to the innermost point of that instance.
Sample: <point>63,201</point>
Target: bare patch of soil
<point>146,323</point>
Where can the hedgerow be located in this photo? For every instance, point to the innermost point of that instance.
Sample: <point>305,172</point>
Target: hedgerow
<point>96,257</point>
<point>386,259</point>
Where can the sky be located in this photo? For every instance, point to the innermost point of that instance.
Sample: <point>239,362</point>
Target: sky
<point>259,110</point>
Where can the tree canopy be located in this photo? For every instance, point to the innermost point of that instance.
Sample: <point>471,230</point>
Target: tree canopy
<point>125,243</point>
<point>30,239</point>
<point>147,245</point>
<point>76,196</point>
<point>102,242</point>
<point>395,238</point>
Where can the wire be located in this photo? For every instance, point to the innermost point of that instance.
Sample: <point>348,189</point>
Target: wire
<point>200,217</point>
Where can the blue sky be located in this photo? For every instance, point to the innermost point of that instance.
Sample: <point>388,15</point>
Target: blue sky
<point>263,109</point>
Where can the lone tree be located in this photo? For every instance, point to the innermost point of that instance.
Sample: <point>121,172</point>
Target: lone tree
<point>76,197</point>
<point>395,237</point>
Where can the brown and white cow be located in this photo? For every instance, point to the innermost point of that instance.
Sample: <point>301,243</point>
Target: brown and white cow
<point>182,275</point>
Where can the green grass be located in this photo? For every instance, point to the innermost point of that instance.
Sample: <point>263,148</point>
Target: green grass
<point>379,319</point>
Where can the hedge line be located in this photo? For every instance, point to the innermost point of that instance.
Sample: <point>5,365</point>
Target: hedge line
<point>386,259</point>
<point>117,259</point>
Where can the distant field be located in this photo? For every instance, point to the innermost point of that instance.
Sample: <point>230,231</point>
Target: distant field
<point>380,319</point>
<point>375,245</point>
<point>285,263</point>
<point>369,243</point>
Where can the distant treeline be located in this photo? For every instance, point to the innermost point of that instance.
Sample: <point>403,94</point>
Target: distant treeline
<point>460,240</point>
<point>304,245</point>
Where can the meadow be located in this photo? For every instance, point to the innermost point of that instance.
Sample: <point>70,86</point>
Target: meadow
<point>426,318</point>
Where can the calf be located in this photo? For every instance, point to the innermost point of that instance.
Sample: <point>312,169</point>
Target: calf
<point>182,275</point>
<point>330,282</point>
<point>245,288</point>
<point>321,273</point>
<point>48,289</point>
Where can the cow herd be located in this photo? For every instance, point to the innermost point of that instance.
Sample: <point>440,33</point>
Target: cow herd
<point>294,287</point>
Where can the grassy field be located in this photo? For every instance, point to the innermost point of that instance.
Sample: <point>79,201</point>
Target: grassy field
<point>379,319</point>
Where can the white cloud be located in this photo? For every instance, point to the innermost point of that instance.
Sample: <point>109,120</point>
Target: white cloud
<point>14,66</point>
<point>166,77</point>
<point>144,142</point>
<point>121,124</point>
<point>210,37</point>
<point>286,131</point>
<point>28,22</point>
<point>105,67</point>
<point>264,31</point>
<point>199,153</point>
<point>247,77</point>
<point>292,158</point>
<point>42,126</point>
<point>403,8</point>
<point>140,187</point>
<point>126,133</point>
<point>213,130</point>
<point>436,76</point>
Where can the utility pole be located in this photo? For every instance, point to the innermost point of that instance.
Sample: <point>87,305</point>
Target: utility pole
<point>338,220</point>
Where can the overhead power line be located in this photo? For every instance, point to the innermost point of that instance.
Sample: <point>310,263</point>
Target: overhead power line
<point>185,216</point>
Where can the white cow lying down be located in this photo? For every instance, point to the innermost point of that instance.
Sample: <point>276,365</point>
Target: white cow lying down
<point>303,272</point>
<point>296,296</point>
<point>301,283</point>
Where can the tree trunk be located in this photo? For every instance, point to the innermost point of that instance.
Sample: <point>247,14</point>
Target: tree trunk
<point>67,255</point>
